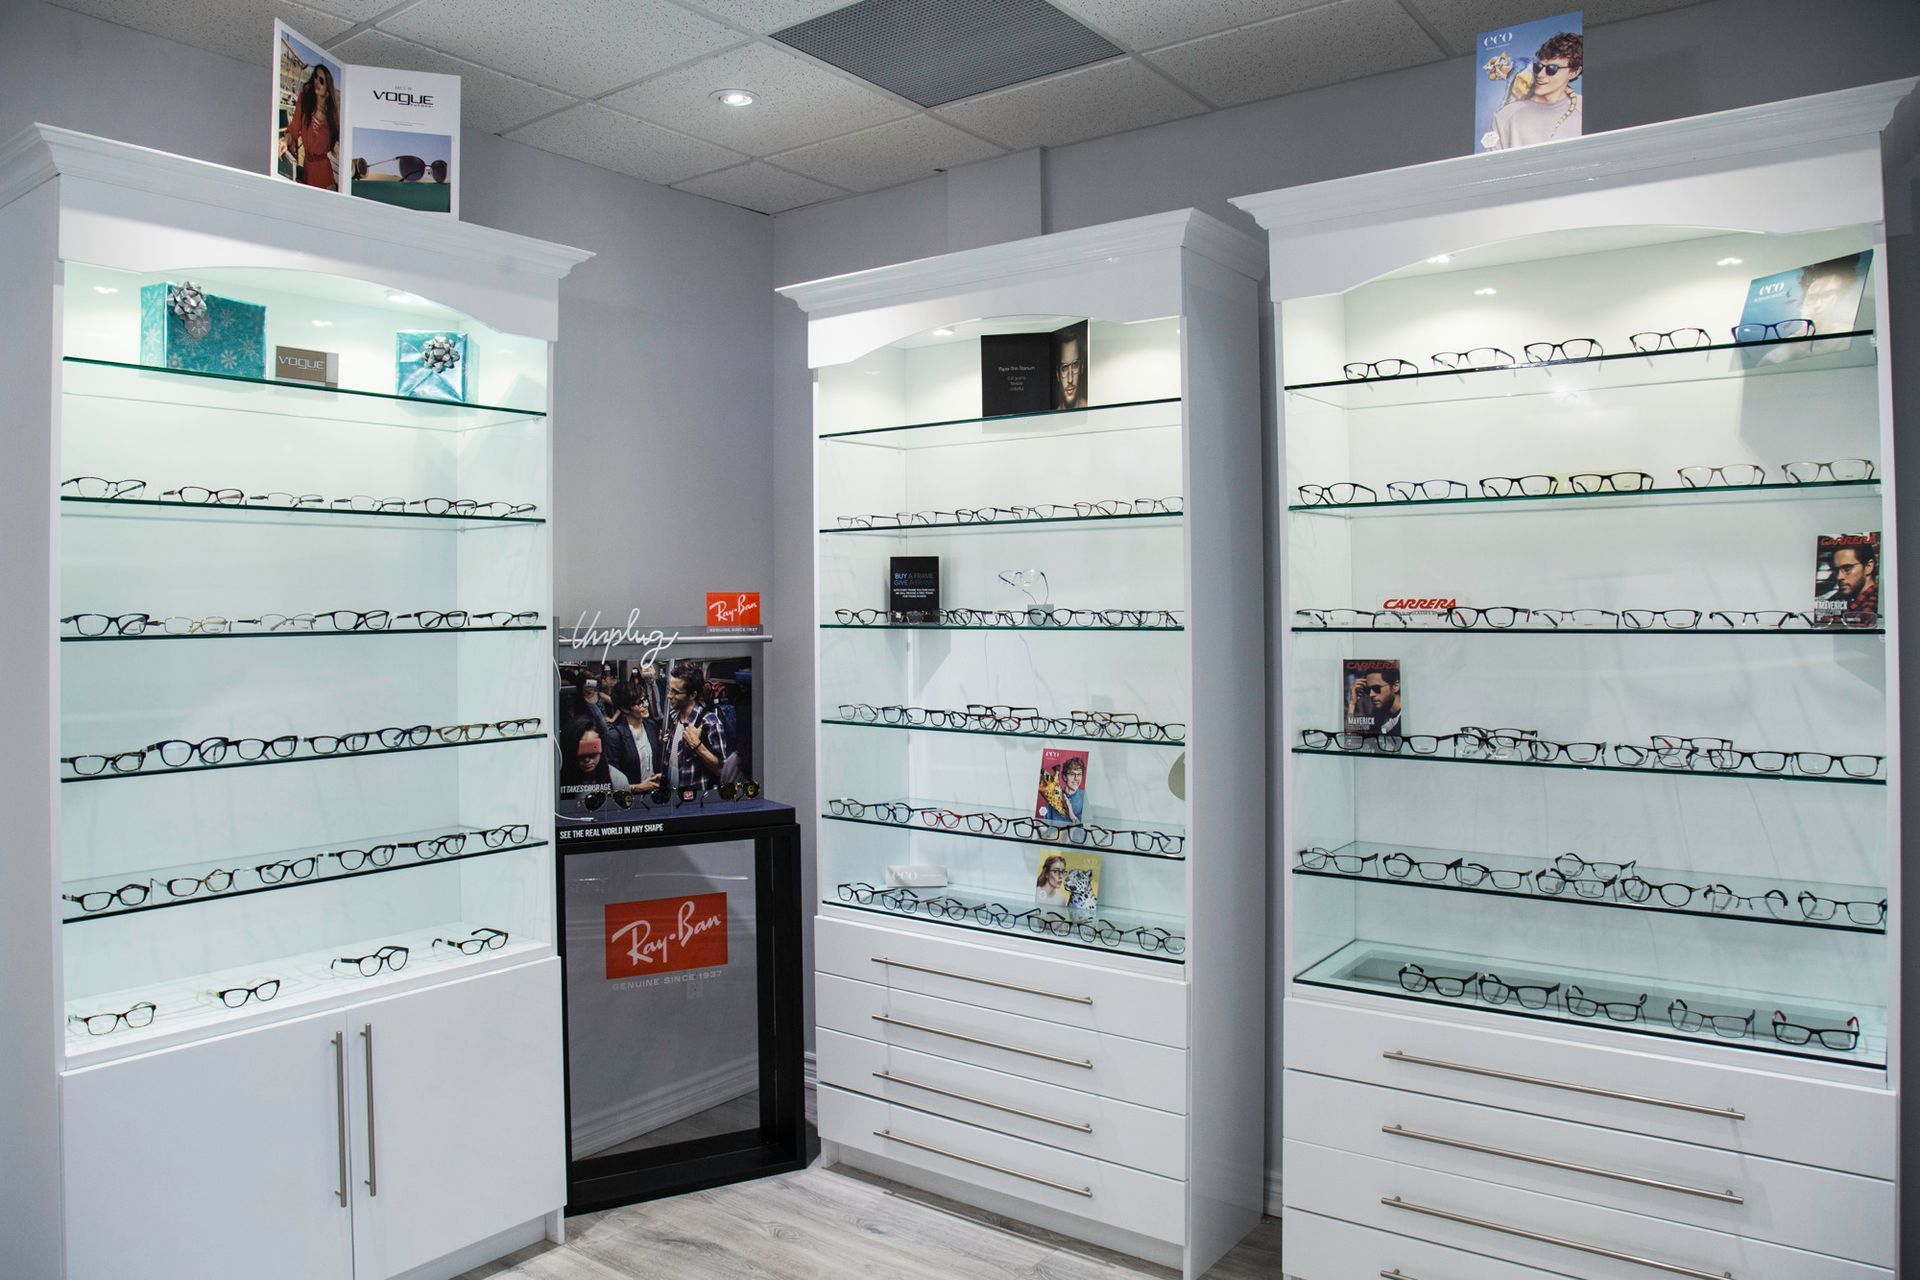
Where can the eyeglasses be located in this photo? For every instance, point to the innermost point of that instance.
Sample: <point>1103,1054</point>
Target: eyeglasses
<point>391,958</point>
<point>1843,1039</point>
<point>195,495</point>
<point>1534,486</point>
<point>1860,911</point>
<point>99,487</point>
<point>500,837</point>
<point>1337,495</point>
<point>1498,617</point>
<point>1528,995</point>
<point>1760,619</point>
<point>127,895</point>
<point>295,868</point>
<point>885,811</point>
<point>1721,898</point>
<point>1649,340</point>
<point>1778,330</point>
<point>453,842</point>
<point>1610,481</point>
<point>1361,370</point>
<point>353,859</point>
<point>411,168</point>
<point>1555,882</point>
<point>747,790</point>
<point>1575,618</point>
<point>1378,620</point>
<point>1425,490</point>
<point>593,800</point>
<point>1568,349</point>
<point>100,1024</point>
<point>1419,981</point>
<point>1727,1025</point>
<point>280,498</point>
<point>1838,470</point>
<point>1475,358</point>
<point>100,624</point>
<point>93,765</point>
<point>1660,619</point>
<point>216,881</point>
<point>483,939</point>
<point>1734,473</point>
<point>1347,864</point>
<point>176,753</point>
<point>1671,893</point>
<point>235,997</point>
<point>1581,1005</point>
<point>1090,508</point>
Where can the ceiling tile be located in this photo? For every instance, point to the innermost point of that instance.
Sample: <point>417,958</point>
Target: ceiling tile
<point>583,47</point>
<point>762,16</point>
<point>1073,106</point>
<point>1460,22</point>
<point>888,154</point>
<point>1148,24</point>
<point>489,101</point>
<point>760,186</point>
<point>625,145</point>
<point>797,102</point>
<point>1341,41</point>
<point>354,10</point>
<point>240,29</point>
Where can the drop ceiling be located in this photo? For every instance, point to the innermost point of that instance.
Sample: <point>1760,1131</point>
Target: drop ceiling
<point>628,84</point>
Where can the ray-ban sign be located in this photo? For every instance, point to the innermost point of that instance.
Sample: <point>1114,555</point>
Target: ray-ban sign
<point>664,935</point>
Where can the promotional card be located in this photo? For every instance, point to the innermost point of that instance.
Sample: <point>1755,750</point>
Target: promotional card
<point>1827,294</point>
<point>1528,86</point>
<point>1846,579</point>
<point>1070,367</point>
<point>1014,373</point>
<point>307,88</point>
<point>403,138</point>
<point>1062,798</point>
<point>1370,696</point>
<point>913,588</point>
<point>1068,882</point>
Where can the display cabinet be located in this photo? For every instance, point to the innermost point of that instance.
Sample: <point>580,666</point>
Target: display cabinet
<point>1039,945</point>
<point>284,799</point>
<point>1592,770</point>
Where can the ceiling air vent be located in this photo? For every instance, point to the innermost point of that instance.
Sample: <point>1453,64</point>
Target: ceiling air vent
<point>938,51</point>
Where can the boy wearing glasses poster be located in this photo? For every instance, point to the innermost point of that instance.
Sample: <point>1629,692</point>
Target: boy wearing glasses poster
<point>1062,799</point>
<point>1372,696</point>
<point>1523,85</point>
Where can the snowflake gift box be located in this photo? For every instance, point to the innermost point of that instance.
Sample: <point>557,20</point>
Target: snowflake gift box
<point>184,327</point>
<point>432,364</point>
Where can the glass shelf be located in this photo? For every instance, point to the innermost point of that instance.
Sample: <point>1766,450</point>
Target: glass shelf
<point>1742,886</point>
<point>1173,926</point>
<point>1121,846</point>
<point>1643,770</point>
<point>1373,968</point>
<point>1100,419</point>
<point>1854,349</point>
<point>303,635</point>
<point>1033,525</point>
<point>283,517</point>
<point>1178,744</point>
<point>1570,632</point>
<point>247,881</point>
<point>1678,496</point>
<point>300,757</point>
<point>185,1009</point>
<point>229,393</point>
<point>937,626</point>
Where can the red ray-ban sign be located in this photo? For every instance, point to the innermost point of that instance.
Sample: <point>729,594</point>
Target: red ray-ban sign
<point>663,935</point>
<point>739,609</point>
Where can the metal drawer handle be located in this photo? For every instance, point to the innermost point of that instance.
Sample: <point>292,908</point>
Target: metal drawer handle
<point>1672,1269</point>
<point>1724,1197</point>
<point>1396,1274</point>
<point>340,1092</point>
<point>982,1164</point>
<point>997,1106</point>
<point>1725,1113</point>
<point>985,982</point>
<point>373,1147</point>
<point>990,1044</point>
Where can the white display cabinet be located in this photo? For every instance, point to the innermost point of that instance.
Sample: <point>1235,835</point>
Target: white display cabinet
<point>293,645</point>
<point>1090,1069</point>
<point>1617,861</point>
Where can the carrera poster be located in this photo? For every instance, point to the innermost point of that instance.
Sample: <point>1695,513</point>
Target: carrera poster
<point>403,137</point>
<point>1370,701</point>
<point>1846,579</point>
<point>307,111</point>
<point>1528,85</point>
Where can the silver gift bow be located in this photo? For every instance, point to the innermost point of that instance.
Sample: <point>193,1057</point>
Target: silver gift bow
<point>189,301</point>
<point>438,354</point>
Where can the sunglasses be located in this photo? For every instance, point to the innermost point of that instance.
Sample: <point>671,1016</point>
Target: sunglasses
<point>412,168</point>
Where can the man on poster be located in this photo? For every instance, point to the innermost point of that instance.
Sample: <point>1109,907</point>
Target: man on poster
<point>1543,104</point>
<point>697,739</point>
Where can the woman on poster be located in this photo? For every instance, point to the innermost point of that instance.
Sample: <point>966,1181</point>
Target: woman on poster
<point>313,131</point>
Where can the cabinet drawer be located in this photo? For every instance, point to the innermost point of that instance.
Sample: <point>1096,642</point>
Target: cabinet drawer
<point>1830,1126</point>
<point>1074,995</point>
<point>1317,1248</point>
<point>1535,1229</point>
<point>1150,1075</point>
<point>1106,1193</point>
<point>1838,1213</point>
<point>1104,1128</point>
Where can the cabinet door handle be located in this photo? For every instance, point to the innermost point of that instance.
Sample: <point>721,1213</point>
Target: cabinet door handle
<point>1724,1197</point>
<point>982,1164</point>
<point>985,982</point>
<point>997,1106</point>
<point>1396,1274</point>
<point>1670,1268</point>
<point>340,1095</point>
<point>1725,1113</point>
<point>1087,1063</point>
<point>373,1151</point>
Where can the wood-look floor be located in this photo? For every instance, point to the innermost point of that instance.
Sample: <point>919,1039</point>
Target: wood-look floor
<point>833,1224</point>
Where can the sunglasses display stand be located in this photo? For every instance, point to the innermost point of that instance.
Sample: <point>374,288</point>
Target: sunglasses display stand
<point>1605,985</point>
<point>310,861</point>
<point>1086,1064</point>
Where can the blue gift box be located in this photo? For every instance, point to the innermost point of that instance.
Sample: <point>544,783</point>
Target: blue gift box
<point>417,378</point>
<point>228,337</point>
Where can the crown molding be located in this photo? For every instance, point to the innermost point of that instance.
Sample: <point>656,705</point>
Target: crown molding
<point>1062,251</point>
<point>41,152</point>
<point>1720,140</point>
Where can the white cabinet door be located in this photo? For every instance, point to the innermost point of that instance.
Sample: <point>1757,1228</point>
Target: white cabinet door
<point>222,1158</point>
<point>460,1125</point>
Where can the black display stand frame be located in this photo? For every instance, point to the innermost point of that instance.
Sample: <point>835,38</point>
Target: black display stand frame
<point>783,1143</point>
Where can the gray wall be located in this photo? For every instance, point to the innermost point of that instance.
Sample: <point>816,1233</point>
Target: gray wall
<point>665,363</point>
<point>1708,57</point>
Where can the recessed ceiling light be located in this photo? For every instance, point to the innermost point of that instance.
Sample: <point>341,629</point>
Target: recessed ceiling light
<point>323,324</point>
<point>1440,259</point>
<point>1487,292</point>
<point>1729,262</point>
<point>733,97</point>
<point>104,288</point>
<point>943,333</point>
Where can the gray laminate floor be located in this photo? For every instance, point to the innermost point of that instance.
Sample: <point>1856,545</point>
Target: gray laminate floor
<point>829,1224</point>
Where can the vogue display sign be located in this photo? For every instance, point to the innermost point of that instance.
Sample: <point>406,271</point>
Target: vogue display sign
<point>666,935</point>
